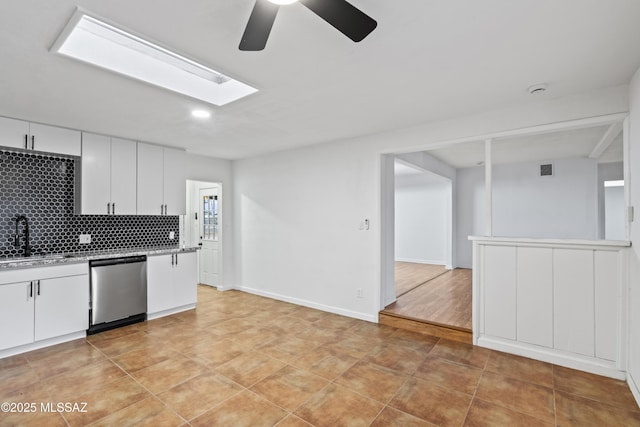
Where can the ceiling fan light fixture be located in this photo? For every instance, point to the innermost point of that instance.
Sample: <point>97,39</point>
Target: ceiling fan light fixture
<point>100,43</point>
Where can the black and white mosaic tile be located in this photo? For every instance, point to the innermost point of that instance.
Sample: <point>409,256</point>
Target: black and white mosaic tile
<point>41,188</point>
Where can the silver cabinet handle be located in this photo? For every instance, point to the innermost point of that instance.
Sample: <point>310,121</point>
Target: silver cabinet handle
<point>38,287</point>
<point>161,208</point>
<point>165,209</point>
<point>113,208</point>
<point>176,259</point>
<point>31,289</point>
<point>172,260</point>
<point>108,208</point>
<point>26,141</point>
<point>33,142</point>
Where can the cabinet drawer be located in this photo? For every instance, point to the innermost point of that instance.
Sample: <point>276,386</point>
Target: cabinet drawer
<point>39,273</point>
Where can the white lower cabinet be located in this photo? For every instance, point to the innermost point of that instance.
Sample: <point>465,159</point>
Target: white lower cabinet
<point>16,314</point>
<point>61,306</point>
<point>52,303</point>
<point>171,281</point>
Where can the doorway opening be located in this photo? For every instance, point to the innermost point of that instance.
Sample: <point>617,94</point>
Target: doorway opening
<point>203,228</point>
<point>428,291</point>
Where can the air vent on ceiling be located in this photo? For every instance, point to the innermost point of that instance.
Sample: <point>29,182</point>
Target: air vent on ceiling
<point>546,169</point>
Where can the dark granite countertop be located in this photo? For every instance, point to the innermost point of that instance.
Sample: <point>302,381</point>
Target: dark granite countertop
<point>78,257</point>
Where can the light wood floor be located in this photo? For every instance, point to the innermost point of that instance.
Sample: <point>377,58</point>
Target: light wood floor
<point>409,275</point>
<point>444,300</point>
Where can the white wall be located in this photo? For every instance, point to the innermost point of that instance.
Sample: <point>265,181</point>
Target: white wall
<point>470,213</point>
<point>423,216</point>
<point>298,217</point>
<point>614,208</point>
<point>634,251</point>
<point>426,162</point>
<point>209,169</point>
<point>296,213</point>
<point>562,206</point>
<point>609,172</point>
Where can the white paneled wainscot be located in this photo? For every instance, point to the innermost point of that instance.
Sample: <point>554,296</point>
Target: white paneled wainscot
<point>560,301</point>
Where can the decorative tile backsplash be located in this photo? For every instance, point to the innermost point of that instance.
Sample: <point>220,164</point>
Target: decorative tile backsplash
<point>42,188</point>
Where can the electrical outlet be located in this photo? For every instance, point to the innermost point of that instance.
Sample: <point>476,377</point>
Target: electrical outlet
<point>172,235</point>
<point>85,239</point>
<point>359,293</point>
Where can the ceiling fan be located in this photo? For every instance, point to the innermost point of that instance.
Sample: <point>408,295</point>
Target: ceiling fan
<point>343,16</point>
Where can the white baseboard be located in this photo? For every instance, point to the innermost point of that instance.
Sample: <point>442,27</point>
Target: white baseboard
<point>634,388</point>
<point>422,261</point>
<point>218,287</point>
<point>311,304</point>
<point>557,357</point>
<point>151,316</point>
<point>41,344</point>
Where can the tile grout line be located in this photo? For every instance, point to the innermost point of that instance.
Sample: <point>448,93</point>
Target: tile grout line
<point>140,384</point>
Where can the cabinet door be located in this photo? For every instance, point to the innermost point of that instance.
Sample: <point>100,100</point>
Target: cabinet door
<point>13,132</point>
<point>573,301</point>
<point>95,171</point>
<point>175,188</point>
<point>55,140</point>
<point>62,306</point>
<point>159,283</point>
<point>185,281</point>
<point>16,315</point>
<point>150,179</point>
<point>123,176</point>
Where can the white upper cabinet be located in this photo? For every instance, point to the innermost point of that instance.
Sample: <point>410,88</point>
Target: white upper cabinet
<point>150,180</point>
<point>96,174</point>
<point>108,176</point>
<point>54,140</point>
<point>123,176</point>
<point>161,180</point>
<point>33,136</point>
<point>13,133</point>
<point>175,187</point>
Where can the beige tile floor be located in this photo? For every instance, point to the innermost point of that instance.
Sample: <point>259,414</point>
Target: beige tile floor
<point>243,360</point>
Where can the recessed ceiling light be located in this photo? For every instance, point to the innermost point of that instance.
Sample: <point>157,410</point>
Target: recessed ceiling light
<point>201,114</point>
<point>92,40</point>
<point>282,2</point>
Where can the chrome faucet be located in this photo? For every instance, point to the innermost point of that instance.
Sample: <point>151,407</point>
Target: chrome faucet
<point>16,243</point>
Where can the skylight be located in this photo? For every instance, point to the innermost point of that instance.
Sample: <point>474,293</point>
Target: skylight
<point>96,42</point>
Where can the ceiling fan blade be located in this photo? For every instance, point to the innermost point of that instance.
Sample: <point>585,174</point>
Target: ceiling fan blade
<point>345,17</point>
<point>259,26</point>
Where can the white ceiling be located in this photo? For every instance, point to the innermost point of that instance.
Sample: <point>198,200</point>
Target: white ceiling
<point>426,61</point>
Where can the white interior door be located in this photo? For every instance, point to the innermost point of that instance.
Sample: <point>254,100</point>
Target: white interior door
<point>209,232</point>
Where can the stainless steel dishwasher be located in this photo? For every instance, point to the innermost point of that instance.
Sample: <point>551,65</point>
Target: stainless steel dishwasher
<point>118,292</point>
